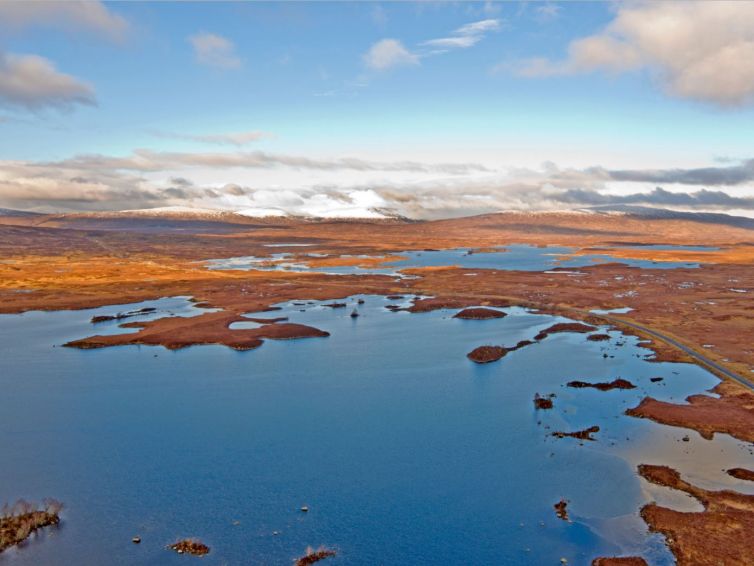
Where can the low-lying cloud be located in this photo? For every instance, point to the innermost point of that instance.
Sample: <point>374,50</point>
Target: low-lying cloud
<point>146,179</point>
<point>724,176</point>
<point>145,160</point>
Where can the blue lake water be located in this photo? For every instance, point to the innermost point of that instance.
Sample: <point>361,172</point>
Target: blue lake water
<point>517,257</point>
<point>405,451</point>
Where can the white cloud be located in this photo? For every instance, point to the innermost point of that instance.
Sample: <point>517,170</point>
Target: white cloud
<point>326,188</point>
<point>697,50</point>
<point>72,16</point>
<point>453,42</point>
<point>466,36</point>
<point>480,27</point>
<point>231,138</point>
<point>34,83</point>
<point>389,53</point>
<point>215,51</point>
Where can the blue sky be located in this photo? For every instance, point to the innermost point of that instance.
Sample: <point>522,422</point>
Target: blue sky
<point>505,86</point>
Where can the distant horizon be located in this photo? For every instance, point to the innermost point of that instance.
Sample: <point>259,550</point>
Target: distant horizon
<point>177,210</point>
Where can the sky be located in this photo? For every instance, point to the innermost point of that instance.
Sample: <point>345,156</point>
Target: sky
<point>337,109</point>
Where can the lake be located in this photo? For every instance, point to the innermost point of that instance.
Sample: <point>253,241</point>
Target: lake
<point>404,451</point>
<point>516,257</point>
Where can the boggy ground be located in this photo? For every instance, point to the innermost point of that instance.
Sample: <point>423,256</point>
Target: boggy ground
<point>720,534</point>
<point>59,262</point>
<point>51,262</point>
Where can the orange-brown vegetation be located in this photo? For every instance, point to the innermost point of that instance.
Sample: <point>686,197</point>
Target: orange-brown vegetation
<point>561,510</point>
<point>741,474</point>
<point>436,303</point>
<point>717,535</point>
<point>732,413</point>
<point>564,327</point>
<point>190,546</point>
<point>313,556</point>
<point>486,354</point>
<point>598,337</point>
<point>479,313</point>
<point>20,521</point>
<point>210,328</point>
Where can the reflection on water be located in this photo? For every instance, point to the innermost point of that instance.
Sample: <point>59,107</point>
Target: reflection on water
<point>517,257</point>
<point>621,310</point>
<point>404,451</point>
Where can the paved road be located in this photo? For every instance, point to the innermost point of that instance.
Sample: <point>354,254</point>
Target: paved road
<point>696,355</point>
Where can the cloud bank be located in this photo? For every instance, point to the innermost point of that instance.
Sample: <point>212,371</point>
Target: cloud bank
<point>145,160</point>
<point>347,186</point>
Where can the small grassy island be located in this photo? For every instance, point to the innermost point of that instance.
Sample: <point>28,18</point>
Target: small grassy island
<point>190,546</point>
<point>313,556</point>
<point>20,521</point>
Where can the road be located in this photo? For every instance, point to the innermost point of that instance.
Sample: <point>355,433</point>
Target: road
<point>704,360</point>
